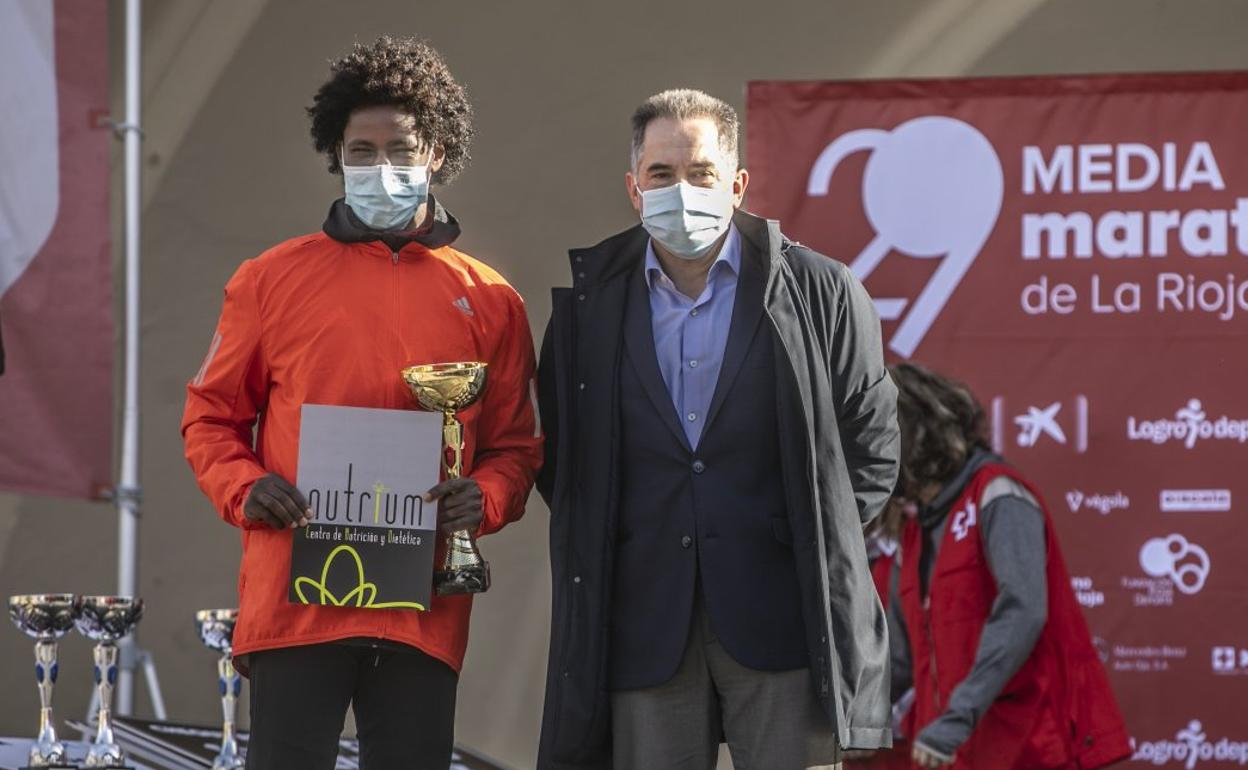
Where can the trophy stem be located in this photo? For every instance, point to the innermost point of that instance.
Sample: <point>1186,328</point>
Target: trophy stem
<point>104,751</point>
<point>452,445</point>
<point>47,750</point>
<point>463,570</point>
<point>231,686</point>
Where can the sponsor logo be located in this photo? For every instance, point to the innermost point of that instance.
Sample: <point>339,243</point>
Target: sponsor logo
<point>1191,747</point>
<point>1183,562</point>
<point>463,306</point>
<point>1229,660</point>
<point>1145,659</point>
<point>1171,563</point>
<point>1195,500</point>
<point>1102,504</point>
<point>1086,593</point>
<point>963,520</point>
<point>1190,425</point>
<point>1040,421</point>
<point>932,189</point>
<point>1062,423</point>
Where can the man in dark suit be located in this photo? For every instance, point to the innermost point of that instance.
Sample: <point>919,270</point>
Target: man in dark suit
<point>720,426</point>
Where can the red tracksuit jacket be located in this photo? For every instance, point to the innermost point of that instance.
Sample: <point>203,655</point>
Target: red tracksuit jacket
<point>316,320</point>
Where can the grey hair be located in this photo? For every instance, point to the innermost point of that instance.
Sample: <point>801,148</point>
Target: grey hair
<point>686,104</point>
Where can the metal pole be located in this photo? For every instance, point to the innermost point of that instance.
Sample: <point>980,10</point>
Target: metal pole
<point>128,493</point>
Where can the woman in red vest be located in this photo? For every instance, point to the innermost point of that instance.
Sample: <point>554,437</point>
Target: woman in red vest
<point>1003,667</point>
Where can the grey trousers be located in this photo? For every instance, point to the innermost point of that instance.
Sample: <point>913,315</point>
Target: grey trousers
<point>770,720</point>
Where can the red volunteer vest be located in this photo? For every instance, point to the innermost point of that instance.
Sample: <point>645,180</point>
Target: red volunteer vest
<point>1058,711</point>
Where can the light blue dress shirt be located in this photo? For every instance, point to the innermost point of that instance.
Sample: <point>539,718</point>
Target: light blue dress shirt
<point>690,334</point>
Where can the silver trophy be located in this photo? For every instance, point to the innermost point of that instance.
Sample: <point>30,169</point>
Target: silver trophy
<point>216,629</point>
<point>105,620</point>
<point>45,618</point>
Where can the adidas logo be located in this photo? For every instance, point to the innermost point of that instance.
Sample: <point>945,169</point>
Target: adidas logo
<point>463,306</point>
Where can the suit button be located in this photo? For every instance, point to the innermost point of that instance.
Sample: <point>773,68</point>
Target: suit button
<point>686,541</point>
<point>698,466</point>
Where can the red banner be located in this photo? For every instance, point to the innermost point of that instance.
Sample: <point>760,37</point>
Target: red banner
<point>1073,248</point>
<point>56,392</point>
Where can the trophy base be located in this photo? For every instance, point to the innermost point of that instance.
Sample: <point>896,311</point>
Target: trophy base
<point>473,579</point>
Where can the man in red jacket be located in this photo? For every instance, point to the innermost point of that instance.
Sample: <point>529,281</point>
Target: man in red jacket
<point>983,622</point>
<point>332,318</point>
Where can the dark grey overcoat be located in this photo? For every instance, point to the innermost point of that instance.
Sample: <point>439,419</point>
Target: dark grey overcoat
<point>839,445</point>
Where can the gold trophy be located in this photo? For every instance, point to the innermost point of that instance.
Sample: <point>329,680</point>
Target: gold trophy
<point>448,388</point>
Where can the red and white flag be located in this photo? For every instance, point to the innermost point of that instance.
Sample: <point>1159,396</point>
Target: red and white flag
<point>56,392</point>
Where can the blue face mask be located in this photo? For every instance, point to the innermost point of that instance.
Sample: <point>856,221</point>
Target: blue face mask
<point>386,197</point>
<point>687,220</point>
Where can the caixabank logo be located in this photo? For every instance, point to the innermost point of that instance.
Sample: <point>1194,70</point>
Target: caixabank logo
<point>1040,423</point>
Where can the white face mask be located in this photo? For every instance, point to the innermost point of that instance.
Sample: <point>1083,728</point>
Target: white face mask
<point>386,197</point>
<point>687,220</point>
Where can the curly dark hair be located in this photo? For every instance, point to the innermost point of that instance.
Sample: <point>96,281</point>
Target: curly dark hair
<point>406,73</point>
<point>941,424</point>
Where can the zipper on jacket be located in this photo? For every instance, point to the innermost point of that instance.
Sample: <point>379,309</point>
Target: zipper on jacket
<point>931,652</point>
<point>394,282</point>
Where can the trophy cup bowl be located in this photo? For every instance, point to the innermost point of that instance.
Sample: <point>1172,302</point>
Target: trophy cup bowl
<point>43,615</point>
<point>108,618</point>
<point>45,618</point>
<point>216,631</point>
<point>448,388</point>
<point>105,620</point>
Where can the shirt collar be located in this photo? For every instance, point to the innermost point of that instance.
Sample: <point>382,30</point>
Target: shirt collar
<point>729,257</point>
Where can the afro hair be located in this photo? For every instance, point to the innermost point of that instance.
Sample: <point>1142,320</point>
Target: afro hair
<point>408,74</point>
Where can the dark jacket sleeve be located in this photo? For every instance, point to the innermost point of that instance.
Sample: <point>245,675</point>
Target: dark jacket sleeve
<point>866,399</point>
<point>1014,542</point>
<point>548,412</point>
<point>898,641</point>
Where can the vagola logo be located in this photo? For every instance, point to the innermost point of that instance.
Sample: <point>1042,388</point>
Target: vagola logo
<point>932,189</point>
